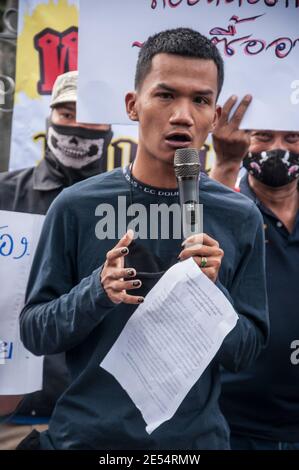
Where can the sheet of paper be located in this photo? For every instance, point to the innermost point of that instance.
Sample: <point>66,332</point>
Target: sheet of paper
<point>20,371</point>
<point>169,341</point>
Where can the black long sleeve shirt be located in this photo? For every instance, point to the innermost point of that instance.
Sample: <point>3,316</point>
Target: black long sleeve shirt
<point>68,310</point>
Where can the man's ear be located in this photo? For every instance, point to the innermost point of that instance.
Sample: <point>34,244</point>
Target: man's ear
<point>217,115</point>
<point>131,107</point>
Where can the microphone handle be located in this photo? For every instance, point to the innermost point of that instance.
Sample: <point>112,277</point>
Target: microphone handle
<point>190,207</point>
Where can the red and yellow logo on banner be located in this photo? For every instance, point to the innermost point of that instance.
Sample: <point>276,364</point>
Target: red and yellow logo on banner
<point>47,47</point>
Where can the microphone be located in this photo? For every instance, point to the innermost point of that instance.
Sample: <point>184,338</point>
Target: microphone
<point>187,169</point>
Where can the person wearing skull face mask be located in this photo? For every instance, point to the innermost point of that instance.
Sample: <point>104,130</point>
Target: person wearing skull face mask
<point>77,151</point>
<point>262,403</point>
<point>74,152</point>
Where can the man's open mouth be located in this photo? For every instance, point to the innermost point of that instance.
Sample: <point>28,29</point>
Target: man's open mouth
<point>178,139</point>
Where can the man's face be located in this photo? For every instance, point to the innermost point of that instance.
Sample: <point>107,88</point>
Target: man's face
<point>270,140</point>
<point>76,145</point>
<point>175,105</point>
<point>273,157</point>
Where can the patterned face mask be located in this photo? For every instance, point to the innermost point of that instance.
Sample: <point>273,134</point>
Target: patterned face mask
<point>274,167</point>
<point>77,147</point>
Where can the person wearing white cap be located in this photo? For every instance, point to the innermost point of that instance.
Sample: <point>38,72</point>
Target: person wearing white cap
<point>75,145</point>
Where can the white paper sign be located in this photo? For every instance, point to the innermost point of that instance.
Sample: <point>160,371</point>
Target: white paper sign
<point>20,371</point>
<point>46,47</point>
<point>169,341</point>
<point>259,42</point>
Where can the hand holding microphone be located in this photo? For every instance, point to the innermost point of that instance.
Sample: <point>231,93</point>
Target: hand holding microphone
<point>204,249</point>
<point>206,253</point>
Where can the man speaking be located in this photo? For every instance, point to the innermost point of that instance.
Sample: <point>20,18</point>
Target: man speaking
<point>83,290</point>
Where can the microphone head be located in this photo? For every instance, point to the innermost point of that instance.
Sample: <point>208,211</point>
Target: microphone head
<point>186,163</point>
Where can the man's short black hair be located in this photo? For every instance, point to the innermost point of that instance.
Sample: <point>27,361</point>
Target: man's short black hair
<point>180,41</point>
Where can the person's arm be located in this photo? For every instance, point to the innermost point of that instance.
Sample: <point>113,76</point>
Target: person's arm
<point>60,311</point>
<point>9,403</point>
<point>230,143</point>
<point>248,296</point>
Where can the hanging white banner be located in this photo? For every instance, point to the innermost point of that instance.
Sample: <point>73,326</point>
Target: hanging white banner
<point>259,41</point>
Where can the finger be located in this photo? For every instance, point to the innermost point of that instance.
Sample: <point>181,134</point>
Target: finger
<point>201,250</point>
<point>202,238</point>
<point>211,262</point>
<point>119,286</point>
<point>131,299</point>
<point>240,111</point>
<point>121,296</point>
<point>121,248</point>
<point>119,273</point>
<point>128,272</point>
<point>126,239</point>
<point>116,253</point>
<point>193,240</point>
<point>226,110</point>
